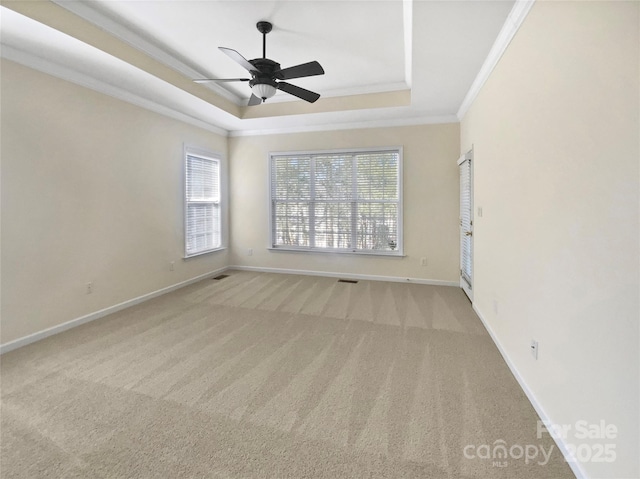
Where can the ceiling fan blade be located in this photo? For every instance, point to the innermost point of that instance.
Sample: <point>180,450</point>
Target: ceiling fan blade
<point>254,100</point>
<point>221,80</point>
<point>303,70</point>
<point>299,92</point>
<point>236,57</point>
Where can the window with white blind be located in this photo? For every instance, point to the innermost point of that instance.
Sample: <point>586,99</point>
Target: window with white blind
<point>339,201</point>
<point>203,225</point>
<point>466,220</point>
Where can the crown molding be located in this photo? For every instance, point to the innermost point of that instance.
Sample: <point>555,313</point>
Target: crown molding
<point>514,20</point>
<point>73,76</point>
<point>351,91</point>
<point>407,20</point>
<point>356,125</point>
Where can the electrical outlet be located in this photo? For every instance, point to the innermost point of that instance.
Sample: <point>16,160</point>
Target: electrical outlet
<point>250,252</point>
<point>534,349</point>
<point>495,306</point>
<point>480,211</point>
<point>89,287</point>
<point>423,261</point>
<point>172,266</point>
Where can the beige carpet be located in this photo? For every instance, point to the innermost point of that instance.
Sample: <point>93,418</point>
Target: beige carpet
<point>271,376</point>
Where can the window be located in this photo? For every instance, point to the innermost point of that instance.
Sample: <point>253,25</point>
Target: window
<point>340,201</point>
<point>202,203</point>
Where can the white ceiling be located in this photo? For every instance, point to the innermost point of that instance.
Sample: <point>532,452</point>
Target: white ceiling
<point>329,32</point>
<point>432,50</point>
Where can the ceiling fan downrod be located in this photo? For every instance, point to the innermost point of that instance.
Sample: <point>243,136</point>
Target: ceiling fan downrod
<point>264,28</point>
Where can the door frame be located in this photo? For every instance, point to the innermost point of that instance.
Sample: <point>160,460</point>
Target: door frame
<point>467,286</point>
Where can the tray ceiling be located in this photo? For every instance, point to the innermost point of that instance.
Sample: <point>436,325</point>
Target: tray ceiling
<point>386,62</point>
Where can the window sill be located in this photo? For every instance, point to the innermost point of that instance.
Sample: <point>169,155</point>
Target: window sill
<point>195,255</point>
<point>388,254</point>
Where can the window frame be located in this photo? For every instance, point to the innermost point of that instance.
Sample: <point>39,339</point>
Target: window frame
<point>398,252</point>
<point>218,159</point>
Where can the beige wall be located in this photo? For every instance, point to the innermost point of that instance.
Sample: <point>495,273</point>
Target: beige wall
<point>430,201</point>
<point>556,140</point>
<point>91,191</point>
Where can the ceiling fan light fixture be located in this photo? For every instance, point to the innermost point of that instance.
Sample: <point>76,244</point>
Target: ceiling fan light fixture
<point>263,90</point>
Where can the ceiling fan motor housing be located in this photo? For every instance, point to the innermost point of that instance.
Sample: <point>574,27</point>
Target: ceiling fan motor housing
<point>265,68</point>
<point>264,74</point>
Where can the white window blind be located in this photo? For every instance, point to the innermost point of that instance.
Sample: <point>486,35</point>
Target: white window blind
<point>465,220</point>
<point>347,201</point>
<point>202,204</point>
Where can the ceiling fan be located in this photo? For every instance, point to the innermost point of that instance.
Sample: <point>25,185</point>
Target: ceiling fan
<point>267,76</point>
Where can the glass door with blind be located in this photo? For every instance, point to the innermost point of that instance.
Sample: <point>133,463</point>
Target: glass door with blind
<point>465,164</point>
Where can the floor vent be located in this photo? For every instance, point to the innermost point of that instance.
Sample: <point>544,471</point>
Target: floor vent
<point>221,276</point>
<point>352,281</point>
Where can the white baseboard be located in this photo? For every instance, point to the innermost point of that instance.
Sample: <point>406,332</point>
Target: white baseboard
<point>574,465</point>
<point>363,277</point>
<point>32,338</point>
